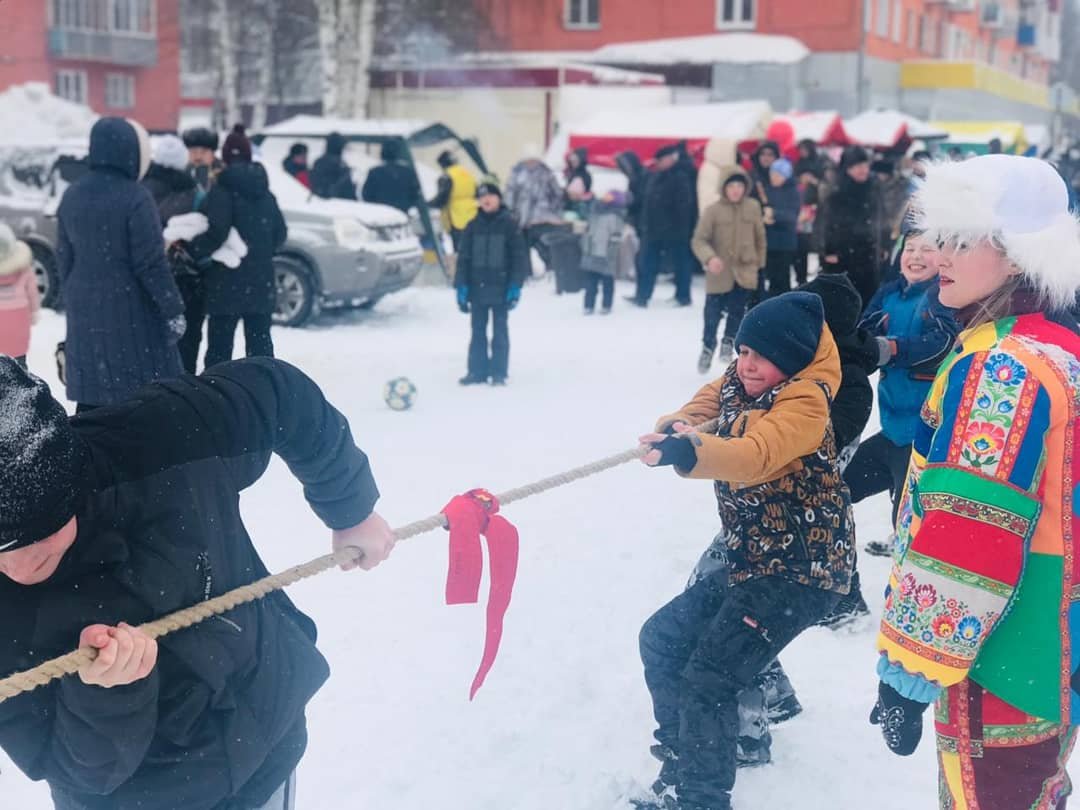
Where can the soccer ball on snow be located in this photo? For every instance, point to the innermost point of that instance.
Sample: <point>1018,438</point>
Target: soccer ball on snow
<point>400,394</point>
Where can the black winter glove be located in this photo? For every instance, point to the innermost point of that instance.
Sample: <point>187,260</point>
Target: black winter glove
<point>900,720</point>
<point>677,451</point>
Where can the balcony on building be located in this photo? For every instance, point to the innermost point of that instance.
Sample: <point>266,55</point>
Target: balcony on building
<point>117,32</point>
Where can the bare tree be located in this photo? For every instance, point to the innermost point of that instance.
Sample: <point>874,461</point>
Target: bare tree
<point>227,74</point>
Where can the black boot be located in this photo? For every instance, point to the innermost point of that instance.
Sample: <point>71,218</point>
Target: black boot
<point>472,379</point>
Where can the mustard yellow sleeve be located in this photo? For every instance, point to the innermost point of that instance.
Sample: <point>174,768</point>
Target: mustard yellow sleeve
<point>794,427</point>
<point>704,406</point>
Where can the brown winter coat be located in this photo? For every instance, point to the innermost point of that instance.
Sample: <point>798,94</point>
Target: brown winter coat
<point>784,507</point>
<point>734,233</point>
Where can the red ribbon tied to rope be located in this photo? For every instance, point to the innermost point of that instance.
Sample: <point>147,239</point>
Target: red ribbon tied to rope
<point>469,516</point>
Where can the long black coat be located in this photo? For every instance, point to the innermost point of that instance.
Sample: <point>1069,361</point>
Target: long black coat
<point>849,226</point>
<point>118,289</point>
<point>220,721</point>
<point>492,257</point>
<point>331,178</point>
<point>392,184</point>
<point>174,192</point>
<point>669,212</point>
<point>241,199</point>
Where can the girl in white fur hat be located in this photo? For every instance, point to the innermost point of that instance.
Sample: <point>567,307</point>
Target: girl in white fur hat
<point>982,611</point>
<point>19,301</point>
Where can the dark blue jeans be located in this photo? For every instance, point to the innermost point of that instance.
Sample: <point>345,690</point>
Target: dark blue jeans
<point>654,250</point>
<point>493,361</point>
<point>716,305</point>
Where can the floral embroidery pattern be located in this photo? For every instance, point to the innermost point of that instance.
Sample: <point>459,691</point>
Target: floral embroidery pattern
<point>993,412</point>
<point>1005,369</point>
<point>918,611</point>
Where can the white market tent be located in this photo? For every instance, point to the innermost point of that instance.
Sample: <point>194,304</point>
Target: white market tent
<point>825,128</point>
<point>890,129</point>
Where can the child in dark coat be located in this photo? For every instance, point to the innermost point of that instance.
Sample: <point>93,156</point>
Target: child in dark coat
<point>788,540</point>
<point>492,264</point>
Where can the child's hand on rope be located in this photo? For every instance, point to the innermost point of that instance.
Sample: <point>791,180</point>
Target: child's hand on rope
<point>660,450</point>
<point>373,537</point>
<point>125,654</point>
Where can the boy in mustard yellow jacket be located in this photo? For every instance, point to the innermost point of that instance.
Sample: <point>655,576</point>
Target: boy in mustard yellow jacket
<point>764,435</point>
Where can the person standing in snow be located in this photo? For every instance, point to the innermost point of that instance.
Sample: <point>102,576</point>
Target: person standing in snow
<point>781,222</point>
<point>455,197</point>
<point>331,177</point>
<point>240,199</point>
<point>492,266</point>
<point>773,458</point>
<point>203,164</point>
<point>394,182</point>
<point>176,193</point>
<point>577,167</point>
<point>124,311</point>
<point>115,518</point>
<point>296,164</point>
<point>850,224</point>
<point>668,218</point>
<point>19,298</point>
<point>979,612</point>
<point>534,196</point>
<point>729,241</point>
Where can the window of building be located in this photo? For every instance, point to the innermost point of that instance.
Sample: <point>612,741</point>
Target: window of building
<point>881,18</point>
<point>582,13</point>
<point>735,13</point>
<point>898,22</point>
<point>119,91</point>
<point>72,85</point>
<point>129,16</point>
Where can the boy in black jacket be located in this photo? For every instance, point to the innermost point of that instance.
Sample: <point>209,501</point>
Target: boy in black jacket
<point>115,518</point>
<point>492,264</point>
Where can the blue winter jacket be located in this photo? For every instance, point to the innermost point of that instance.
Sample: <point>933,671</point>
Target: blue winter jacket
<point>119,291</point>
<point>922,331</point>
<point>785,202</point>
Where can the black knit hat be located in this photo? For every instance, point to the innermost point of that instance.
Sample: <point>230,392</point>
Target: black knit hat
<point>840,300</point>
<point>41,461</point>
<point>785,330</point>
<point>200,137</point>
<point>488,187</point>
<point>670,150</point>
<point>237,148</point>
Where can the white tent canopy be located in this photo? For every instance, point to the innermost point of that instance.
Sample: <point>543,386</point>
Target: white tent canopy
<point>885,128</point>
<point>738,120</point>
<point>317,126</point>
<point>737,48</point>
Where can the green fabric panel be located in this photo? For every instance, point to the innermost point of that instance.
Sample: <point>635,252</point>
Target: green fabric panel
<point>1020,662</point>
<point>974,487</point>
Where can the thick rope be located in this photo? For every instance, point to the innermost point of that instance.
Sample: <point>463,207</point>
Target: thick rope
<point>70,663</point>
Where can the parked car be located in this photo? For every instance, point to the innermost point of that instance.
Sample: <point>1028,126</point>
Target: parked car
<point>339,253</point>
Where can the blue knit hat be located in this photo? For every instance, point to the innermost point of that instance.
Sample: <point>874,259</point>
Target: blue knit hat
<point>785,330</point>
<point>782,167</point>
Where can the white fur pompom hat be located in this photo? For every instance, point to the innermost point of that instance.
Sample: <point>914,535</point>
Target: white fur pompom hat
<point>1021,203</point>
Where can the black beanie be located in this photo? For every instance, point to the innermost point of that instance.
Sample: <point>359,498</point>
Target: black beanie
<point>237,148</point>
<point>488,187</point>
<point>785,330</point>
<point>41,460</point>
<point>841,301</point>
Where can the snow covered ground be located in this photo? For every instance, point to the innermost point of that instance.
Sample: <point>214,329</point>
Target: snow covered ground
<point>564,720</point>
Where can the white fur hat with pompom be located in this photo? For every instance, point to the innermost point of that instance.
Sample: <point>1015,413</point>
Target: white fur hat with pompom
<point>15,255</point>
<point>1021,203</point>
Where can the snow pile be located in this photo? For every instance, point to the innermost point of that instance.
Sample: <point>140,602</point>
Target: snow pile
<point>35,117</point>
<point>739,48</point>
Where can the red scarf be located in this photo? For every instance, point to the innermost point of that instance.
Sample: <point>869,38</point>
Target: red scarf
<point>469,516</point>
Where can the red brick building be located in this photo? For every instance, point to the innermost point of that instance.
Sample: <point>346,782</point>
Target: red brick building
<point>120,57</point>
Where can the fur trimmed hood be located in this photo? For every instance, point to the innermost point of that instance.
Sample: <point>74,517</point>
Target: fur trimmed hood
<point>1022,203</point>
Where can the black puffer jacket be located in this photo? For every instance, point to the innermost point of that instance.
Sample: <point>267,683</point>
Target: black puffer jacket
<point>118,289</point>
<point>630,165</point>
<point>219,724</point>
<point>173,191</point>
<point>392,183</point>
<point>854,400</point>
<point>241,199</point>
<point>331,176</point>
<point>492,257</point>
<point>669,213</point>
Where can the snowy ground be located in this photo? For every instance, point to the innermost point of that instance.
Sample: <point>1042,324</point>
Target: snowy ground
<point>564,720</point>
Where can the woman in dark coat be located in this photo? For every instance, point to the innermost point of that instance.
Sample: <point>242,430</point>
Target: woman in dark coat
<point>849,225</point>
<point>240,199</point>
<point>124,312</point>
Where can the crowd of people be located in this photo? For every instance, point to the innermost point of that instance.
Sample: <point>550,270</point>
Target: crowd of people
<point>954,283</point>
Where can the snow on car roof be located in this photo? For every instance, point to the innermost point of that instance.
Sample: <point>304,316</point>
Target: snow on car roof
<point>319,126</point>
<point>736,48</point>
<point>43,118</point>
<point>740,120</point>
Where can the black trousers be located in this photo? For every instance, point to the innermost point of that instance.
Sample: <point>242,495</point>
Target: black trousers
<point>221,334</point>
<point>878,466</point>
<point>534,236</point>
<point>595,281</point>
<point>194,295</point>
<point>681,259</point>
<point>778,271</point>
<point>489,359</point>
<point>700,651</point>
<point>802,258</point>
<point>716,306</point>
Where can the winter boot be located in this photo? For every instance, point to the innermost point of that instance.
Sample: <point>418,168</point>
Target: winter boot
<point>849,609</point>
<point>754,743</point>
<point>669,765</point>
<point>472,379</point>
<point>783,711</point>
<point>780,702</point>
<point>663,801</point>
<point>704,362</point>
<point>499,381</point>
<point>589,311</point>
<point>877,548</point>
<point>727,350</point>
<point>753,752</point>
